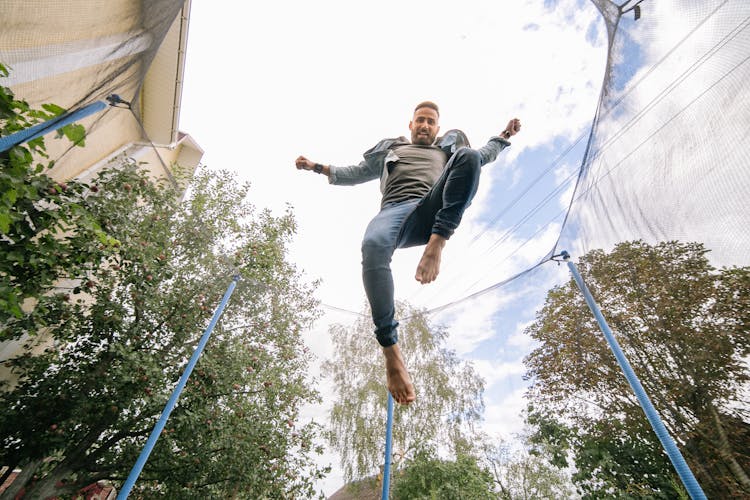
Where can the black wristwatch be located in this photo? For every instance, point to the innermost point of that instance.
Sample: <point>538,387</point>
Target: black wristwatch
<point>506,134</point>
<point>318,168</point>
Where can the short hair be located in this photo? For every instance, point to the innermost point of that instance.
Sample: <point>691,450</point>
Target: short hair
<point>428,104</point>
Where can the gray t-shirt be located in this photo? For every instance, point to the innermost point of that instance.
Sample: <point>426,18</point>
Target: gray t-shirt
<point>416,171</point>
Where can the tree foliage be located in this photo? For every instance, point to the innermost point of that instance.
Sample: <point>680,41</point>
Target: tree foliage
<point>119,330</point>
<point>683,326</point>
<point>497,472</point>
<point>449,395</point>
<point>47,233</point>
<point>425,477</point>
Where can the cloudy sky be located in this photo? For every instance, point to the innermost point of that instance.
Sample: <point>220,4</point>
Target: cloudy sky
<point>267,82</point>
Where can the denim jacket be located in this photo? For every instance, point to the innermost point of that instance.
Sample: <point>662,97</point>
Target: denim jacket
<point>375,159</point>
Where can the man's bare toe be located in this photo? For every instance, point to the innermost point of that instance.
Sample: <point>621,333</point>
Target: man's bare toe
<point>409,397</point>
<point>422,276</point>
<point>404,397</point>
<point>427,269</point>
<point>401,388</point>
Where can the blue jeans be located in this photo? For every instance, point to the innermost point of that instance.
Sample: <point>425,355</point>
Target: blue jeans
<point>410,223</point>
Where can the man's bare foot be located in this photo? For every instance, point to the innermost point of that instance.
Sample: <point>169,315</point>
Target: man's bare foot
<point>429,265</point>
<point>398,380</point>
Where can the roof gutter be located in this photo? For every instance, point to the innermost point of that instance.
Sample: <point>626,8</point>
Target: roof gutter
<point>180,73</point>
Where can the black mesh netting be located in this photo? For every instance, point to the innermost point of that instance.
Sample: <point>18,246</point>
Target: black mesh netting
<point>666,158</point>
<point>664,161</point>
<point>74,53</point>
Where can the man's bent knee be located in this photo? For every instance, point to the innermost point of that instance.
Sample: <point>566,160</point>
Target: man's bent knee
<point>375,254</point>
<point>467,157</point>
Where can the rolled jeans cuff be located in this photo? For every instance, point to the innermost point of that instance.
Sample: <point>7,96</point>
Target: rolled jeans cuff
<point>387,335</point>
<point>443,231</point>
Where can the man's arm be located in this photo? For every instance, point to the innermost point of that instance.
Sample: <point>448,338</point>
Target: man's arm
<point>496,144</point>
<point>346,176</point>
<point>303,163</point>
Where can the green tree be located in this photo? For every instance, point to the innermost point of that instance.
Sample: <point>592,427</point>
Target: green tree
<point>683,326</point>
<point>82,410</point>
<point>426,477</point>
<point>449,395</point>
<point>46,232</point>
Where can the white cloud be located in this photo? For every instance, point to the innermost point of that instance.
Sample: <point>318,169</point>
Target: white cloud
<point>494,372</point>
<point>470,323</point>
<point>520,339</point>
<point>504,417</point>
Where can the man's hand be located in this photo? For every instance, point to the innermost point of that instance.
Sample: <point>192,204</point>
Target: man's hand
<point>512,128</point>
<point>303,163</point>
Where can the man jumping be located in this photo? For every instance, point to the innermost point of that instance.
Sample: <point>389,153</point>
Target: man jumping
<point>427,183</point>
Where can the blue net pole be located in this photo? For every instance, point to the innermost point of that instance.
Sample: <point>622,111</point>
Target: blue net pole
<point>44,128</point>
<point>678,461</point>
<point>388,447</point>
<point>159,427</point>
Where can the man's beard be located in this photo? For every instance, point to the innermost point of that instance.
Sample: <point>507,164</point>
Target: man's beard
<point>422,140</point>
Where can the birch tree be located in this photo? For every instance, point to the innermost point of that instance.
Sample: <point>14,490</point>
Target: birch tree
<point>449,395</point>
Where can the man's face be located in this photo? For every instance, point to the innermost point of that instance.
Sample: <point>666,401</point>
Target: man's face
<point>424,126</point>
